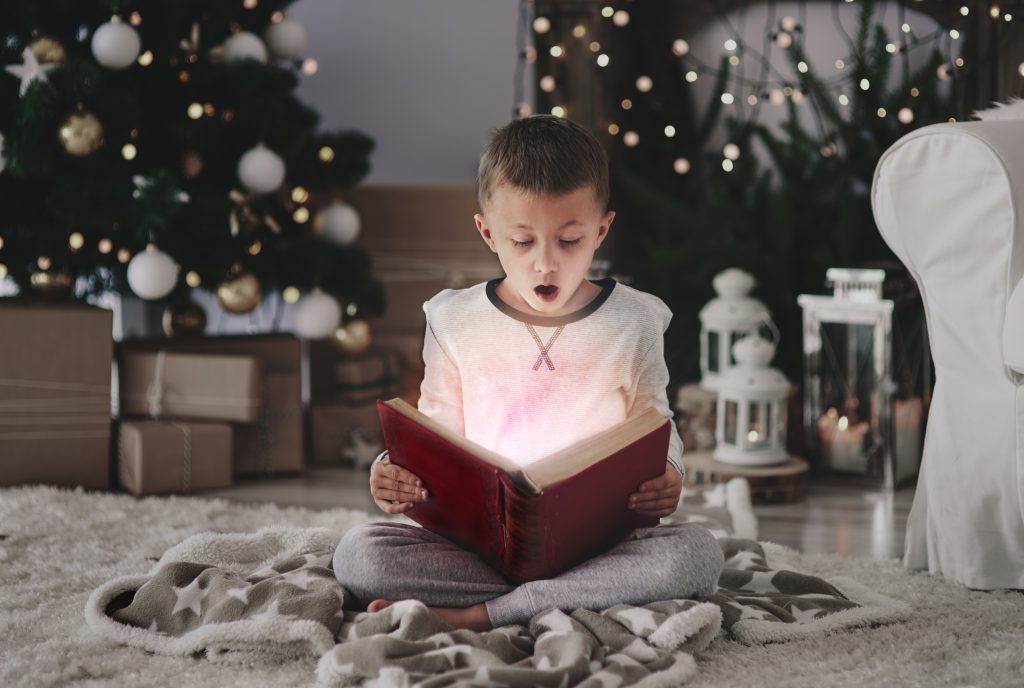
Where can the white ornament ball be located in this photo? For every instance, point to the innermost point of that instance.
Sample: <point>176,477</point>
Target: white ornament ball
<point>116,45</point>
<point>245,46</point>
<point>339,222</point>
<point>317,315</point>
<point>261,170</point>
<point>286,38</point>
<point>152,273</point>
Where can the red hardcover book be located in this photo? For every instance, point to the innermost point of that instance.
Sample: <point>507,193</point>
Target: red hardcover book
<point>535,521</point>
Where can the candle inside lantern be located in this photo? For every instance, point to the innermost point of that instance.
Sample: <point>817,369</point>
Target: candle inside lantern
<point>842,443</point>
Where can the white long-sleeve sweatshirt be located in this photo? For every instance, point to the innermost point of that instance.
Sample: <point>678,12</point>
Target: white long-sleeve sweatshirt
<point>526,386</point>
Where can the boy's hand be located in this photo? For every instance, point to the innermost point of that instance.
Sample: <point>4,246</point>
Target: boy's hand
<point>658,496</point>
<point>394,489</point>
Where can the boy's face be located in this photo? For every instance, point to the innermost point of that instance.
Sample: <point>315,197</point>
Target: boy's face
<point>545,245</point>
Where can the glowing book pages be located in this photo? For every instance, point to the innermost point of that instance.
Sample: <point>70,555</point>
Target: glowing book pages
<point>528,522</point>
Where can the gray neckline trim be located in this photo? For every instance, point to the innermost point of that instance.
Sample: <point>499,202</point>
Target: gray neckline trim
<point>607,285</point>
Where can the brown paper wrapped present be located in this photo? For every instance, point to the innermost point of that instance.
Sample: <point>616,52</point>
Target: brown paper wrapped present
<point>343,433</point>
<point>275,441</point>
<point>273,444</point>
<point>55,362</point>
<point>197,386</point>
<point>157,456</point>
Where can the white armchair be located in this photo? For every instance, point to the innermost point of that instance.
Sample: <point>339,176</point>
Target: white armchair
<point>949,201</point>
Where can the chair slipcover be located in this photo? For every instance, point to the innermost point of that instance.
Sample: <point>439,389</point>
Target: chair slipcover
<point>949,201</point>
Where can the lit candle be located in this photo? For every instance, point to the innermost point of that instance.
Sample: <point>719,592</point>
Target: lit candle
<point>842,444</point>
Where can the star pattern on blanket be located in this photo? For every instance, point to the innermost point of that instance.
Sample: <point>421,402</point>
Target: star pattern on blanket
<point>804,615</point>
<point>639,620</point>
<point>751,612</point>
<point>190,597</point>
<point>240,594</point>
<point>272,614</point>
<point>761,581</point>
<point>300,578</point>
<point>744,560</point>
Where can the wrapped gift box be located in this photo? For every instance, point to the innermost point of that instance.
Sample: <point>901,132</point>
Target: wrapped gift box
<point>157,456</point>
<point>196,386</point>
<point>354,379</point>
<point>55,368</point>
<point>275,441</point>
<point>343,433</point>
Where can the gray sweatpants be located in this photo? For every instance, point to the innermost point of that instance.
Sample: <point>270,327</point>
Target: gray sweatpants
<point>401,561</point>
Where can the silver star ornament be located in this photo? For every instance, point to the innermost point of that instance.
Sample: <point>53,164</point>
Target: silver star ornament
<point>30,70</point>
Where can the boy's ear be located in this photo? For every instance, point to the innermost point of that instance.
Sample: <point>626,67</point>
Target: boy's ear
<point>485,231</point>
<point>605,227</point>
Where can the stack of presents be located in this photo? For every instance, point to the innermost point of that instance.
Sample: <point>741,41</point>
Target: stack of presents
<point>155,416</point>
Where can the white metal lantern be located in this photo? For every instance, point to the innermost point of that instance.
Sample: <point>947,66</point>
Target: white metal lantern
<point>751,410</point>
<point>851,402</point>
<point>726,319</point>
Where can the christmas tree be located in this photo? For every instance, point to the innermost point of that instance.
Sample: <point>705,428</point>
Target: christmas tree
<point>688,208</point>
<point>159,148</point>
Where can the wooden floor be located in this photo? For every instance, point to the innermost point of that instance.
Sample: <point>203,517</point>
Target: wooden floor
<point>831,518</point>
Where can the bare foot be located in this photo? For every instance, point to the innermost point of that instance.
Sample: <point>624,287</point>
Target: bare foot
<point>377,605</point>
<point>473,618</point>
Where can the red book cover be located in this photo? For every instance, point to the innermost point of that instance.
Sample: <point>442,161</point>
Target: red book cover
<point>523,534</point>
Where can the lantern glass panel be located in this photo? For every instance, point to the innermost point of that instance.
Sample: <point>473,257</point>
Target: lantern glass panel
<point>849,396</point>
<point>757,431</point>
<point>731,420</point>
<point>733,338</point>
<point>712,350</point>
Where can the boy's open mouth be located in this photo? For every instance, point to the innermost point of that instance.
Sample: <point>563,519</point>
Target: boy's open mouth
<point>547,292</point>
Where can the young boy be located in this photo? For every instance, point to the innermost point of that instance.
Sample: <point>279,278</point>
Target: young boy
<point>526,365</point>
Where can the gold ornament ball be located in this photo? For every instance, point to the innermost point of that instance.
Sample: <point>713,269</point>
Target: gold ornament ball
<point>354,337</point>
<point>184,319</point>
<point>51,284</point>
<point>81,134</point>
<point>48,50</point>
<point>240,292</point>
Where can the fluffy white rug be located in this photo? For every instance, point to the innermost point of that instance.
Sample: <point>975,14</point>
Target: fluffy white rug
<point>60,545</point>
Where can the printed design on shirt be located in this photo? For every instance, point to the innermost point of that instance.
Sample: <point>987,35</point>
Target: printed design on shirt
<point>544,348</point>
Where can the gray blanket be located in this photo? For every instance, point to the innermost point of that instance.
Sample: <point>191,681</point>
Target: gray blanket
<point>271,595</point>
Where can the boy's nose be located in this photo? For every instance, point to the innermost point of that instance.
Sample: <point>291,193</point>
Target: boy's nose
<point>544,261</point>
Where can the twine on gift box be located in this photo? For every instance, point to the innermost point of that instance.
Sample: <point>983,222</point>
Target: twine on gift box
<point>155,391</point>
<point>266,435</point>
<point>186,454</point>
<point>85,404</point>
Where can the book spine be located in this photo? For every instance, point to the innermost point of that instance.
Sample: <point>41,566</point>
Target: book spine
<point>525,544</point>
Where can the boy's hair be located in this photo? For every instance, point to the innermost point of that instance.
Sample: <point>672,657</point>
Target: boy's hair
<point>543,155</point>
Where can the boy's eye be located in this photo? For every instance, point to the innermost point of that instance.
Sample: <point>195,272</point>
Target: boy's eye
<point>564,242</point>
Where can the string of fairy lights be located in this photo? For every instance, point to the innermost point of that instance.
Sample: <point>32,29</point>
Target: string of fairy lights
<point>746,95</point>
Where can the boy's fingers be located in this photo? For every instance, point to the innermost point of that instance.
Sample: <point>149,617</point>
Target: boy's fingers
<point>655,504</point>
<point>648,496</point>
<point>397,508</point>
<point>400,474</point>
<point>653,485</point>
<point>411,491</point>
<point>398,495</point>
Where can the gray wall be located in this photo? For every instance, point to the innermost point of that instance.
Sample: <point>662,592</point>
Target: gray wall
<point>427,80</point>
